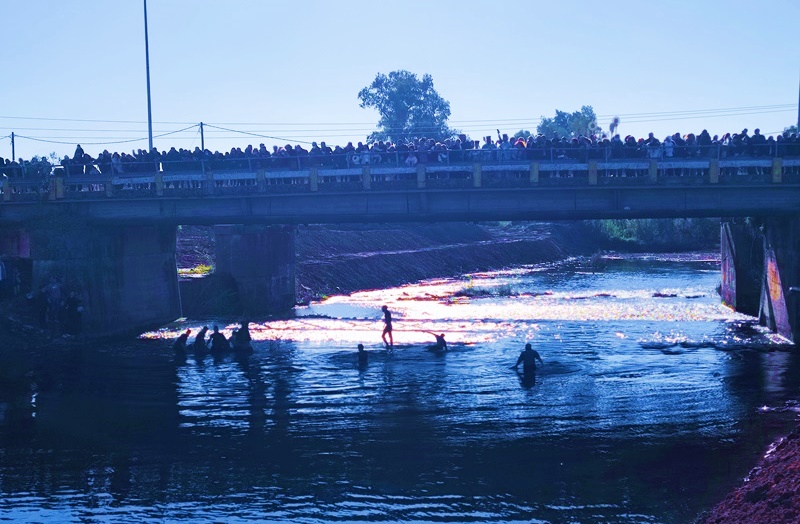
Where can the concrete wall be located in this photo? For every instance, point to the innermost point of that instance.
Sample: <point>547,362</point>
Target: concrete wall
<point>261,259</point>
<point>15,243</point>
<point>126,276</point>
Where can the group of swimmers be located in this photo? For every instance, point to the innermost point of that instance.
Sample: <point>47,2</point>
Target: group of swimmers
<point>240,341</point>
<point>217,342</point>
<point>527,358</point>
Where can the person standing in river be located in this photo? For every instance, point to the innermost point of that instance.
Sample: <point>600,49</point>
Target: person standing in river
<point>218,342</point>
<point>179,346</point>
<point>199,344</point>
<point>362,357</point>
<point>528,360</point>
<point>387,329</point>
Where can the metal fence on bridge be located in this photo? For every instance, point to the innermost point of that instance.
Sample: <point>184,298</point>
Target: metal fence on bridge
<point>391,172</point>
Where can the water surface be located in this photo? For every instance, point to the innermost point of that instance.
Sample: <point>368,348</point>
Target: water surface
<point>652,402</point>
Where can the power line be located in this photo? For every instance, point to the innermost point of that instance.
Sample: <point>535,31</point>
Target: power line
<point>88,120</point>
<point>498,120</point>
<point>252,134</point>
<point>105,143</point>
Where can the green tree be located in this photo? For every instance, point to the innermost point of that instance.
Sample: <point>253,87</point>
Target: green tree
<point>583,122</point>
<point>789,130</point>
<point>409,107</point>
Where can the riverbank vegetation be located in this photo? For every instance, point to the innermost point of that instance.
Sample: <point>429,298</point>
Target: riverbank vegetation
<point>665,234</point>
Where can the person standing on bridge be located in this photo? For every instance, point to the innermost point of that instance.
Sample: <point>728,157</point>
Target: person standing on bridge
<point>387,329</point>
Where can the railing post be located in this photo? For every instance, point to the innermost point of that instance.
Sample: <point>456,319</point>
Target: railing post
<point>6,188</point>
<point>313,178</point>
<point>534,173</point>
<point>777,170</point>
<point>592,172</point>
<point>652,172</point>
<point>57,188</point>
<point>366,178</point>
<point>713,171</point>
<point>159,182</point>
<point>421,176</point>
<point>261,181</point>
<point>477,175</point>
<point>209,182</point>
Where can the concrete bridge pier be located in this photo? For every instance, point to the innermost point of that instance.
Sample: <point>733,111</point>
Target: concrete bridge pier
<point>742,254</point>
<point>761,271</point>
<point>261,259</point>
<point>126,276</point>
<point>780,291</point>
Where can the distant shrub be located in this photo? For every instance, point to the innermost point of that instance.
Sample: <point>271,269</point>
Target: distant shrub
<point>201,269</point>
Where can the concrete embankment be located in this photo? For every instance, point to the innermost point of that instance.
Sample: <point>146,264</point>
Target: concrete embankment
<point>343,259</point>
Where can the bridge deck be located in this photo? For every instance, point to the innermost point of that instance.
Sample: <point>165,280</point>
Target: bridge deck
<point>472,191</point>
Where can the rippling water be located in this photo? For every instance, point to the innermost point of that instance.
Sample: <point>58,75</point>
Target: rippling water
<point>652,402</point>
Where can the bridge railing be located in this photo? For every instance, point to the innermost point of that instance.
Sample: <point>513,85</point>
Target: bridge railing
<point>240,176</point>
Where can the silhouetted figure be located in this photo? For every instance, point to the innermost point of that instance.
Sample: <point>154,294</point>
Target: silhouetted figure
<point>199,344</point>
<point>362,356</point>
<point>441,344</point>
<point>217,341</point>
<point>387,330</point>
<point>528,360</point>
<point>53,293</point>
<point>179,346</point>
<point>240,339</point>
<point>73,315</point>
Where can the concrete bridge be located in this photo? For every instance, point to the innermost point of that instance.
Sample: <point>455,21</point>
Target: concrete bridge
<point>113,237</point>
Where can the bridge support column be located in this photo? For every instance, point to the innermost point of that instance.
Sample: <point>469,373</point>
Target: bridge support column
<point>742,266</point>
<point>261,259</point>
<point>779,303</point>
<point>126,276</point>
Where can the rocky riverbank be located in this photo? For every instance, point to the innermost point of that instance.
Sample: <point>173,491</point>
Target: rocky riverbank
<point>771,492</point>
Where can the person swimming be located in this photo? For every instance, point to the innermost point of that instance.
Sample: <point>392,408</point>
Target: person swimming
<point>441,344</point>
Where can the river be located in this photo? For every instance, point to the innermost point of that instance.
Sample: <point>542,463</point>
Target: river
<point>653,401</point>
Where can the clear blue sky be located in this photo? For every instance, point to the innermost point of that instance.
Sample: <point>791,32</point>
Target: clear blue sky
<point>74,71</point>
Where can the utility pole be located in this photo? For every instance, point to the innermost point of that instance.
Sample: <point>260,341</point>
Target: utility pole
<point>13,154</point>
<point>203,140</point>
<point>147,66</point>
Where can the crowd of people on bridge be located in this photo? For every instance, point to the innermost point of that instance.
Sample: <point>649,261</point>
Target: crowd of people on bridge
<point>412,152</point>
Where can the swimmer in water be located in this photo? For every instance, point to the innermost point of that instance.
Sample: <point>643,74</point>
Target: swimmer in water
<point>441,344</point>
